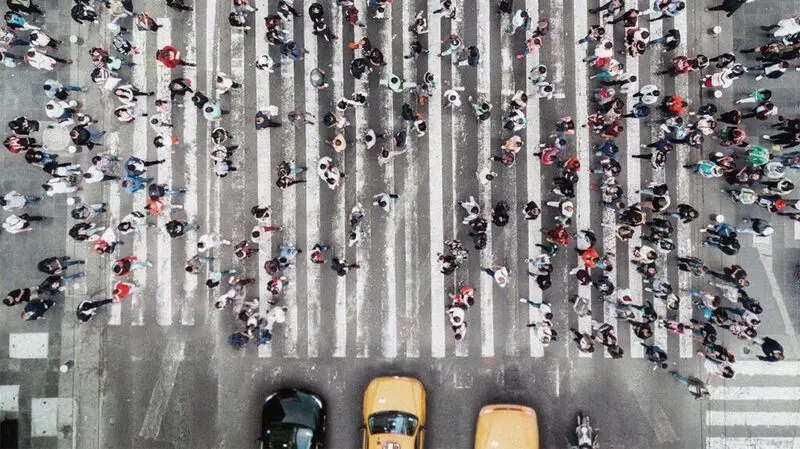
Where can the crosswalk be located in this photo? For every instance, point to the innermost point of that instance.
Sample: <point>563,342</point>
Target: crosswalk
<point>762,414</point>
<point>393,306</point>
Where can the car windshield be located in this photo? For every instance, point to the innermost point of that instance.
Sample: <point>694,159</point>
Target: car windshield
<point>288,436</point>
<point>392,422</point>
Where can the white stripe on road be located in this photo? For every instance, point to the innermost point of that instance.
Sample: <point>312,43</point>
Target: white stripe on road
<point>289,199</point>
<point>337,85</point>
<point>512,307</point>
<point>486,298</point>
<point>726,393</point>
<point>533,192</point>
<point>162,390</point>
<point>435,187</point>
<point>112,141</point>
<point>765,255</point>
<point>759,368</point>
<point>634,174</point>
<point>190,198</point>
<point>683,233</point>
<point>752,443</point>
<point>411,330</point>
<point>456,143</point>
<point>313,285</point>
<point>164,249</point>
<point>264,166</point>
<point>139,143</point>
<point>583,207</point>
<point>362,252</point>
<point>389,309</point>
<point>752,419</point>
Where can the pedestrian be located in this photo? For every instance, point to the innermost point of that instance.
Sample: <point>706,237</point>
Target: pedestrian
<point>259,231</point>
<point>56,264</point>
<point>14,200</point>
<point>729,6</point>
<point>171,57</point>
<point>772,70</point>
<point>122,290</point>
<point>385,200</point>
<point>87,309</point>
<point>500,274</point>
<point>178,227</point>
<point>15,224</point>
<point>124,266</point>
<point>583,340</point>
<point>35,310</point>
<point>196,262</point>
<point>179,5</point>
<point>54,284</point>
<point>21,295</point>
<point>773,351</point>
<point>209,241</point>
<point>696,386</point>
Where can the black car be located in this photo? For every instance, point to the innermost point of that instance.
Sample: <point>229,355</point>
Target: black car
<point>292,419</point>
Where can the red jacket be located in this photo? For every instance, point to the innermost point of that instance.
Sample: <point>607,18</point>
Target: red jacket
<point>169,56</point>
<point>121,290</point>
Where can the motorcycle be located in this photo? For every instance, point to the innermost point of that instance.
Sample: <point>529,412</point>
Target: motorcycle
<point>328,172</point>
<point>587,438</point>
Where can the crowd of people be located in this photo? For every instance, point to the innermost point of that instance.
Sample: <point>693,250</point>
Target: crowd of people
<point>755,174</point>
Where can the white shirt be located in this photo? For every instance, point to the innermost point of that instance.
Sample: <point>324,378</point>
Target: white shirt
<point>14,224</point>
<point>456,315</point>
<point>224,83</point>
<point>14,200</point>
<point>275,315</point>
<point>209,241</point>
<point>59,185</point>
<point>96,175</point>
<point>647,94</point>
<point>55,108</point>
<point>501,276</point>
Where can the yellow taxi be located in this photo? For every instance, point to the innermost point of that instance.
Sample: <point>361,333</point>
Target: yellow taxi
<point>394,414</point>
<point>507,426</point>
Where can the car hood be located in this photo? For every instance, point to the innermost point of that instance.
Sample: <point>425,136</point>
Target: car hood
<point>391,441</point>
<point>506,429</point>
<point>403,395</point>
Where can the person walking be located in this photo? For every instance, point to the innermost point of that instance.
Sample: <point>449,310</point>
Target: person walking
<point>500,274</point>
<point>87,309</point>
<point>178,227</point>
<point>14,224</point>
<point>697,387</point>
<point>15,200</point>
<point>773,351</point>
<point>35,310</point>
<point>124,266</point>
<point>385,201</point>
<point>54,284</point>
<point>20,295</point>
<point>209,241</point>
<point>729,6</point>
<point>171,57</point>
<point>57,264</point>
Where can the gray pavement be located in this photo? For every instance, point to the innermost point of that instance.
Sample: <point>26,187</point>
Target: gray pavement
<point>156,371</point>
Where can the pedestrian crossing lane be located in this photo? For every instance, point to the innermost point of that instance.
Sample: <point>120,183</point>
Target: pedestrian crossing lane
<point>757,410</point>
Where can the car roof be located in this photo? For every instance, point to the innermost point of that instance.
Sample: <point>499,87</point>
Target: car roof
<point>293,406</point>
